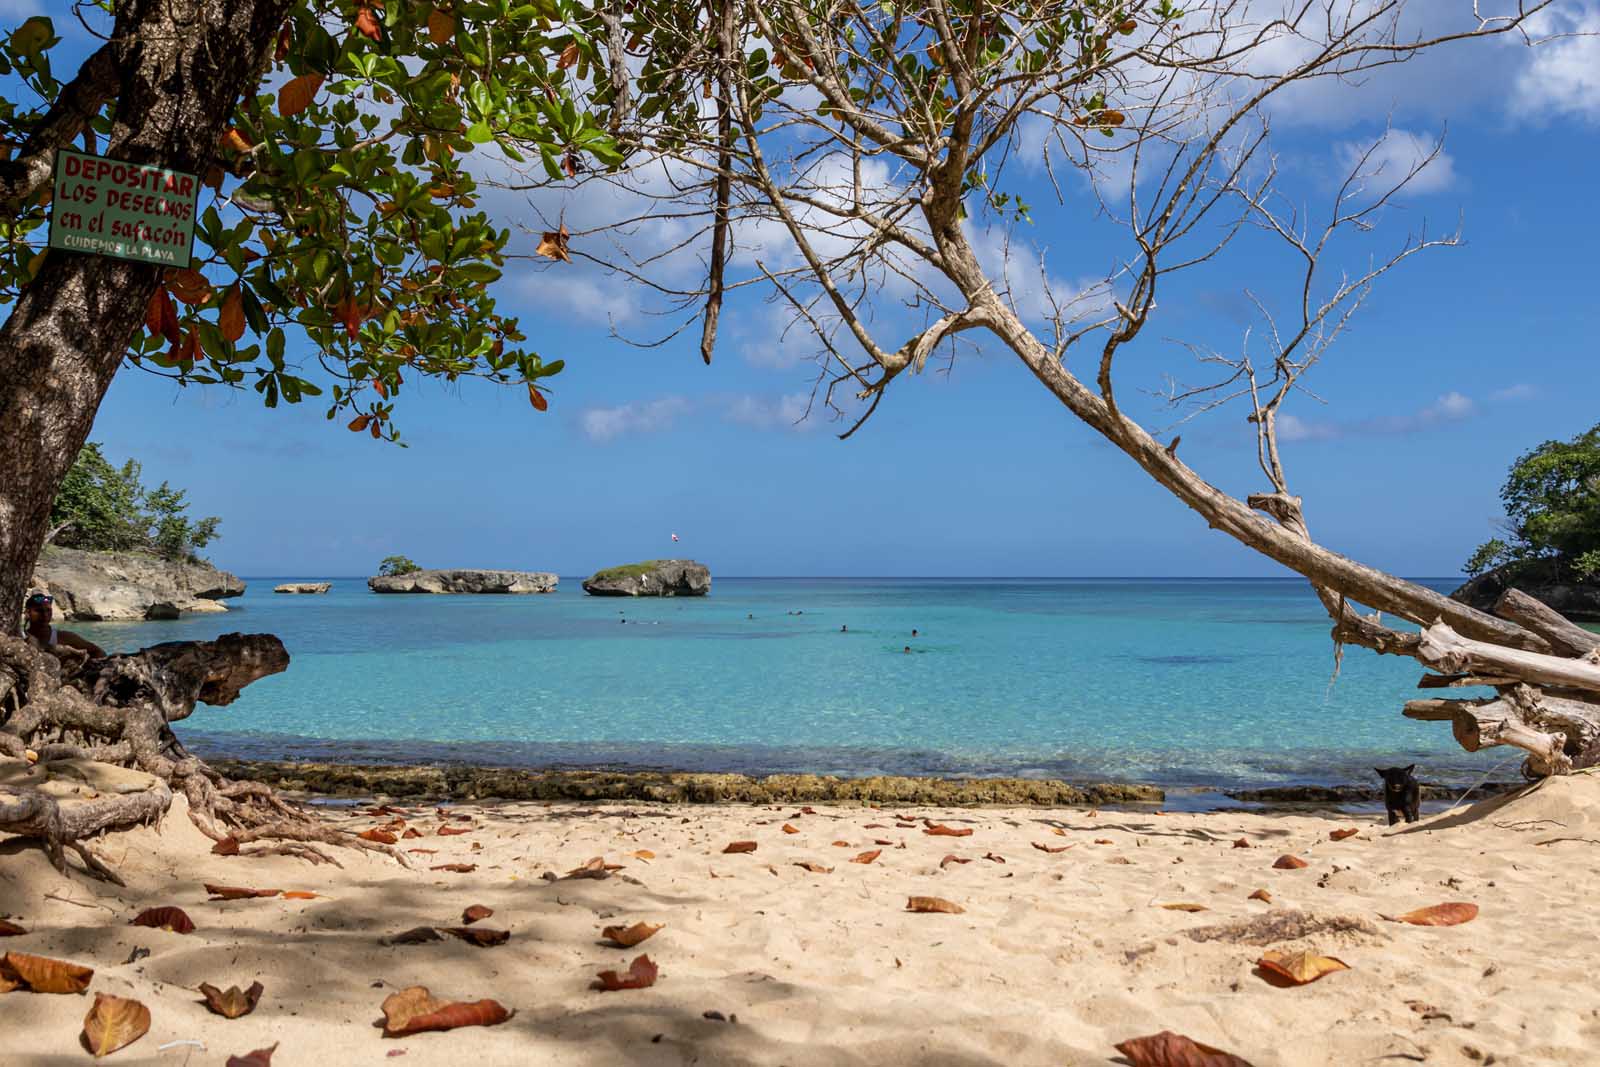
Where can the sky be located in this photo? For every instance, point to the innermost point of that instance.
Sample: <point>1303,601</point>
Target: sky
<point>1460,361</point>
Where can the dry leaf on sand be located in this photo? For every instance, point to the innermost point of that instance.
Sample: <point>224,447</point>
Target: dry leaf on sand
<point>740,846</point>
<point>867,857</point>
<point>456,868</point>
<point>1287,862</point>
<point>941,830</point>
<point>1052,849</point>
<point>378,834</point>
<point>113,1023</point>
<point>45,975</point>
<point>641,974</point>
<point>168,918</point>
<point>817,868</point>
<point>628,936</point>
<point>1261,895</point>
<point>298,894</point>
<point>1340,835</point>
<point>1438,915</point>
<point>951,858</point>
<point>1185,907</point>
<point>232,1002</point>
<point>10,929</point>
<point>1168,1049</point>
<point>933,904</point>
<point>482,936</point>
<point>1241,843</point>
<point>416,936</point>
<point>1297,968</point>
<point>413,1010</point>
<point>261,1057</point>
<point>234,892</point>
<point>644,854</point>
<point>789,829</point>
<point>475,913</point>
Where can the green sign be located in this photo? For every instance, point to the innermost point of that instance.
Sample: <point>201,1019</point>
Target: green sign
<point>128,210</point>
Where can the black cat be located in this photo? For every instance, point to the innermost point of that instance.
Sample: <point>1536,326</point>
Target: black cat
<point>1401,792</point>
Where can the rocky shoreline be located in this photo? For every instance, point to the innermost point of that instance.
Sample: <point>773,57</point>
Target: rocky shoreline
<point>126,586</point>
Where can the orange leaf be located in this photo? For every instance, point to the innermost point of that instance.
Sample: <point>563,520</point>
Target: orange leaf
<point>1340,835</point>
<point>232,1003</point>
<point>1109,117</point>
<point>789,829</point>
<point>554,245</point>
<point>940,830</point>
<point>644,854</point>
<point>261,1057</point>
<point>167,918</point>
<point>1168,1049</point>
<point>456,868</point>
<point>8,929</point>
<point>411,832</point>
<point>234,141</point>
<point>628,936</point>
<point>1185,907</point>
<point>569,56</point>
<point>1241,843</point>
<point>1051,848</point>
<point>376,430</point>
<point>152,312</point>
<point>641,974</point>
<point>596,868</point>
<point>868,857</point>
<point>952,858</point>
<point>359,423</point>
<point>841,844</point>
<point>1297,968</point>
<point>454,831</point>
<point>298,894</point>
<point>481,936</point>
<point>1104,841</point>
<point>476,913</point>
<point>297,94</point>
<point>441,27</point>
<point>1440,915</point>
<point>285,36</point>
<point>817,868</point>
<point>350,313</point>
<point>230,320</point>
<point>368,24</point>
<point>45,975</point>
<point>228,846</point>
<point>233,892</point>
<point>929,904</point>
<point>189,285</point>
<point>378,834</point>
<point>113,1023</point>
<point>1261,895</point>
<point>740,846</point>
<point>1286,862</point>
<point>413,1010</point>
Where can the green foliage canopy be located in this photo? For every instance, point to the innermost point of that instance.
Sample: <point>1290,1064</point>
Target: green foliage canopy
<point>105,508</point>
<point>1552,500</point>
<point>393,566</point>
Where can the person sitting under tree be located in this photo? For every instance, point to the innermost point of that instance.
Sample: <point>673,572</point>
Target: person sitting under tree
<point>38,611</point>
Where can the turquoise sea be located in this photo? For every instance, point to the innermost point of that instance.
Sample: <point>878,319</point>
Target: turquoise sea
<point>1173,682</point>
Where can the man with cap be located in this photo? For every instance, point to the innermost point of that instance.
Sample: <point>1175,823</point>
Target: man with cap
<point>38,611</point>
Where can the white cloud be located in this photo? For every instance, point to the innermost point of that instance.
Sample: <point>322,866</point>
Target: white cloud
<point>1388,161</point>
<point>1448,408</point>
<point>1520,391</point>
<point>767,413</point>
<point>611,301</point>
<point>607,424</point>
<point>1563,75</point>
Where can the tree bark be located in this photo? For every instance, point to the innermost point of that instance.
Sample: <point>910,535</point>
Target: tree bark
<point>1565,636</point>
<point>1559,734</point>
<point>178,68</point>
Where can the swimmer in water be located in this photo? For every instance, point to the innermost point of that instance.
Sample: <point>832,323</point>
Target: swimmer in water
<point>906,649</point>
<point>844,629</point>
<point>913,632</point>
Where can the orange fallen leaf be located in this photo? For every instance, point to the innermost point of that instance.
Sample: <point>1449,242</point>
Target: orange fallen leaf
<point>232,1002</point>
<point>868,857</point>
<point>596,868</point>
<point>167,918</point>
<point>411,833</point>
<point>381,836</point>
<point>740,846</point>
<point>421,851</point>
<point>882,841</point>
<point>841,844</point>
<point>1340,835</point>
<point>1286,862</point>
<point>644,854</point>
<point>298,894</point>
<point>1052,849</point>
<point>482,936</point>
<point>1241,843</point>
<point>8,929</point>
<point>940,830</point>
<point>1261,895</point>
<point>789,829</point>
<point>453,831</point>
<point>113,1023</point>
<point>1058,831</point>
<point>234,892</point>
<point>628,936</point>
<point>476,913</point>
<point>932,904</point>
<point>1186,907</point>
<point>417,935</point>
<point>1297,968</point>
<point>297,93</point>
<point>641,974</point>
<point>414,1010</point>
<point>993,857</point>
<point>817,868</point>
<point>1168,1049</point>
<point>1438,915</point>
<point>456,868</point>
<point>951,858</point>
<point>1104,841</point>
<point>45,975</point>
<point>261,1057</point>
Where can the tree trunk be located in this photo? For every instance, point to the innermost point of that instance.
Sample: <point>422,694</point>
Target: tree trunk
<point>174,70</point>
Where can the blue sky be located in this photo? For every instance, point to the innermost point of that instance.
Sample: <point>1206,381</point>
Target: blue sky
<point>1460,361</point>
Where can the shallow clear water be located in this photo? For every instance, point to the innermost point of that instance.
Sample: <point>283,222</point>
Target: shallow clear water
<point>1176,682</point>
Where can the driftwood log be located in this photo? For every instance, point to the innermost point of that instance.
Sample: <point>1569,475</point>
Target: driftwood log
<point>86,747</point>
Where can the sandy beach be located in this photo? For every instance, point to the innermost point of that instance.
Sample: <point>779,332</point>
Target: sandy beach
<point>1056,957</point>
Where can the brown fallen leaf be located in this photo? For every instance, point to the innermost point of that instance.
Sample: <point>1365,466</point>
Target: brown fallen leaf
<point>234,892</point>
<point>167,918</point>
<point>453,831</point>
<point>1241,843</point>
<point>1168,1049</point>
<point>876,826</point>
<point>553,244</point>
<point>817,868</point>
<point>1340,835</point>
<point>482,936</point>
<point>905,826</point>
<point>628,936</point>
<point>412,833</point>
<point>378,834</point>
<point>882,841</point>
<point>113,1023</point>
<point>789,829</point>
<point>641,974</point>
<point>1261,895</point>
<point>940,830</point>
<point>644,854</point>
<point>9,929</point>
<point>299,894</point>
<point>931,904</point>
<point>232,1002</point>
<point>1186,907</point>
<point>867,857</point>
<point>1058,831</point>
<point>596,868</point>
<point>228,846</point>
<point>1438,915</point>
<point>1286,862</point>
<point>993,857</point>
<point>1104,841</point>
<point>415,936</point>
<point>951,858</point>
<point>475,913</point>
<point>740,846</point>
<point>1298,968</point>
<point>1052,849</point>
<point>414,1010</point>
<point>456,868</point>
<point>841,844</point>
<point>423,851</point>
<point>261,1057</point>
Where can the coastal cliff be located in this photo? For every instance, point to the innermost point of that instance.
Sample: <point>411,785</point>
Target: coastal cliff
<point>1562,590</point>
<point>461,580</point>
<point>656,577</point>
<point>303,587</point>
<point>96,586</point>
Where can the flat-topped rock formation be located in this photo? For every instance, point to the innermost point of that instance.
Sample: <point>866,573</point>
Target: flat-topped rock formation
<point>655,577</point>
<point>303,587</point>
<point>95,586</point>
<point>462,580</point>
<point>1553,584</point>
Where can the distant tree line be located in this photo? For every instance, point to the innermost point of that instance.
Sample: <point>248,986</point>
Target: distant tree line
<point>105,508</point>
<point>1552,500</point>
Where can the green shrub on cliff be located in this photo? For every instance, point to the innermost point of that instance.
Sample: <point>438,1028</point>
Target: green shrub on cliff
<point>105,508</point>
<point>392,566</point>
<point>1552,499</point>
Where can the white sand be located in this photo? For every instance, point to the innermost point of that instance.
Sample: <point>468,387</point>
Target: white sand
<point>1056,958</point>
